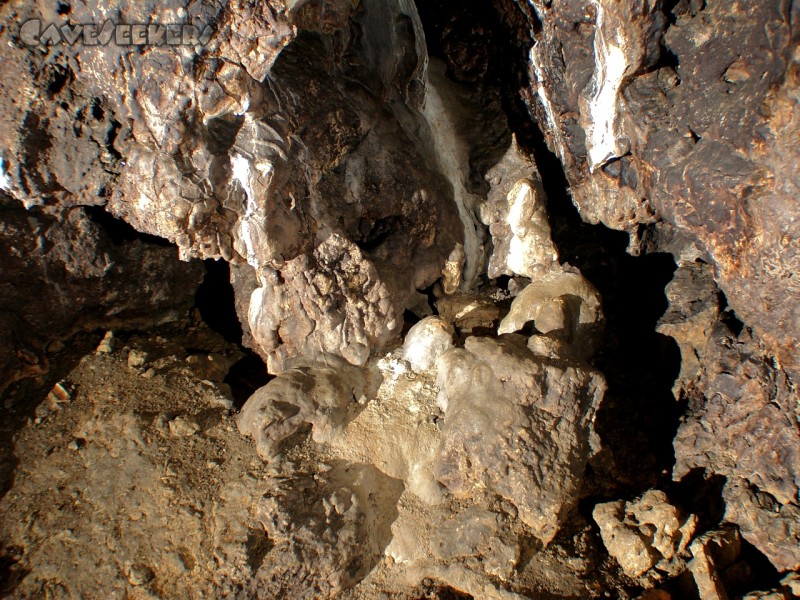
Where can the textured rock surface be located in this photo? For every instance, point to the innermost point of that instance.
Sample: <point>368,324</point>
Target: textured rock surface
<point>322,393</point>
<point>645,532</point>
<point>563,305</point>
<point>742,422</point>
<point>105,500</point>
<point>427,299</point>
<point>516,214</point>
<point>318,174</point>
<point>517,426</point>
<point>684,112</point>
<point>712,552</point>
<point>325,544</point>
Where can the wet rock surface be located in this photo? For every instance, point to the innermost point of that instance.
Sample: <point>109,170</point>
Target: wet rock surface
<point>502,296</point>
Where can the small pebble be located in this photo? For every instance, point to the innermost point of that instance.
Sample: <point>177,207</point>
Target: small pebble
<point>183,427</point>
<point>139,574</point>
<point>136,358</point>
<point>77,444</point>
<point>55,346</point>
<point>107,344</point>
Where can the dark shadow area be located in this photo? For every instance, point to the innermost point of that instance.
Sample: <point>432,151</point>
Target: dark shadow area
<point>216,302</point>
<point>431,589</point>
<point>217,305</point>
<point>11,573</point>
<point>703,492</point>
<point>639,415</point>
<point>759,574</point>
<point>120,232</point>
<point>246,376</point>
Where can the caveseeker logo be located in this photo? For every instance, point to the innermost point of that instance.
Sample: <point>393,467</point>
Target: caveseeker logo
<point>36,33</point>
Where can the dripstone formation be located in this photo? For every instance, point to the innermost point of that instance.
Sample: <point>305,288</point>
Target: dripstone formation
<point>418,208</point>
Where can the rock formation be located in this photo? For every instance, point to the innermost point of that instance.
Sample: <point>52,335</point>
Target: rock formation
<point>422,210</point>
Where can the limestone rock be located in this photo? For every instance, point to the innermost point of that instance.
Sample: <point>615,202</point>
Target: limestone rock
<point>712,552</point>
<point>426,342</point>
<point>771,526</point>
<point>742,423</point>
<point>332,301</point>
<point>470,313</point>
<point>322,393</point>
<point>518,221</point>
<point>791,583</point>
<point>397,429</point>
<point>645,532</point>
<point>693,309</point>
<point>226,167</point>
<point>683,112</point>
<point>517,426</point>
<point>563,304</point>
<point>750,405</point>
<point>326,543</point>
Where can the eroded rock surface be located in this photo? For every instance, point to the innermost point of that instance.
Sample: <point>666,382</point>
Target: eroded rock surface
<point>682,113</point>
<point>431,425</point>
<point>646,532</point>
<point>518,427</point>
<point>742,423</point>
<point>320,176</point>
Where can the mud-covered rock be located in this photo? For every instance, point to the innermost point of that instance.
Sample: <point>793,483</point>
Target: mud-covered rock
<point>323,394</point>
<point>324,544</point>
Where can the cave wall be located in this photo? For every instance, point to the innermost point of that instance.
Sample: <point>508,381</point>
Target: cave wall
<point>361,165</point>
<point>682,114</point>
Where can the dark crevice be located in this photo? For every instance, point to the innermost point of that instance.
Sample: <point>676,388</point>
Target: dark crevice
<point>216,302</point>
<point>761,573</point>
<point>703,492</point>
<point>111,137</point>
<point>58,78</point>
<point>11,572</point>
<point>120,232</point>
<point>728,317</point>
<point>409,320</point>
<point>246,376</point>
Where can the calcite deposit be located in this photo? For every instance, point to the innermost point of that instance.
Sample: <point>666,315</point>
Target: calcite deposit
<point>504,299</point>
